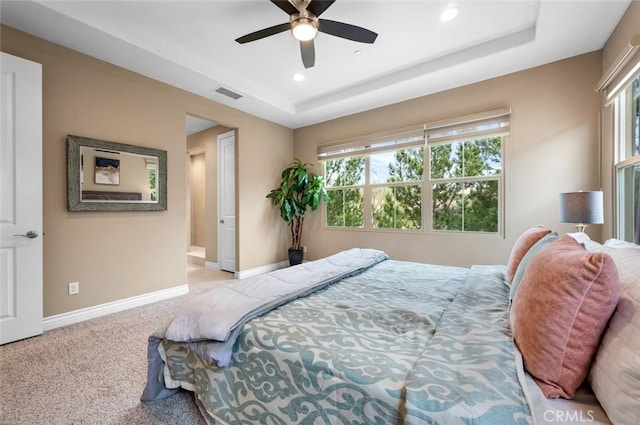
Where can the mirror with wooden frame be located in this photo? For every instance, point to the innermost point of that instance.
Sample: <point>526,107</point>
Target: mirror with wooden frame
<point>110,176</point>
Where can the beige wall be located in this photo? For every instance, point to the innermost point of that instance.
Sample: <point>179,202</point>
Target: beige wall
<point>552,149</point>
<point>262,165</point>
<point>207,141</point>
<point>117,255</point>
<point>617,43</point>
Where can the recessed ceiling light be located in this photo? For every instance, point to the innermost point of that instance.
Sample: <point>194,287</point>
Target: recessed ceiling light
<point>449,14</point>
<point>298,76</point>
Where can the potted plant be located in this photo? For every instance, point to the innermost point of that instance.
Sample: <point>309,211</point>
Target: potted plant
<point>299,191</point>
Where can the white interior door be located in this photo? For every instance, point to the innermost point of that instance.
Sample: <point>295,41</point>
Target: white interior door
<point>20,199</point>
<point>227,201</point>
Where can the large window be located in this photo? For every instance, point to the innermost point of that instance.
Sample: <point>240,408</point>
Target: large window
<point>397,181</point>
<point>627,136</point>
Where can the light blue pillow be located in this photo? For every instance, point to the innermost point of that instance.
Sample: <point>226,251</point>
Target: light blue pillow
<point>537,247</point>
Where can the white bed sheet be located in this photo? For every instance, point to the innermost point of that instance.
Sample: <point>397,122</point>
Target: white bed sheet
<point>583,409</point>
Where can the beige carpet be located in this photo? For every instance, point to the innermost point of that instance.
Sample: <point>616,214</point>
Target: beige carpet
<point>89,373</point>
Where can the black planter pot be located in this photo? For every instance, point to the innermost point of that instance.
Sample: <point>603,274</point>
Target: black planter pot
<point>295,256</point>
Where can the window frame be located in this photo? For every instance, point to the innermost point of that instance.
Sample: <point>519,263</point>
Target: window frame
<point>468,179</point>
<point>623,160</point>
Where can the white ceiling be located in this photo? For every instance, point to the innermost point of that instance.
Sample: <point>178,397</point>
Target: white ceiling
<point>190,44</point>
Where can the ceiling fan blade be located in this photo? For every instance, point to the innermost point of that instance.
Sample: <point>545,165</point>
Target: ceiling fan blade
<point>266,32</point>
<point>308,51</point>
<point>285,6</point>
<point>317,7</point>
<point>348,31</point>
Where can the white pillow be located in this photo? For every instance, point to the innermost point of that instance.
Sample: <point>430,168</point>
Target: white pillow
<point>580,236</point>
<point>585,240</point>
<point>617,243</point>
<point>615,372</point>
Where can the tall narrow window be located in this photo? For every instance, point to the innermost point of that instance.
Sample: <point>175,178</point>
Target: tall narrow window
<point>627,126</point>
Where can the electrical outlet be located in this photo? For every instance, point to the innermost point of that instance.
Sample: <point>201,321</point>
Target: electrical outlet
<point>304,248</point>
<point>74,288</point>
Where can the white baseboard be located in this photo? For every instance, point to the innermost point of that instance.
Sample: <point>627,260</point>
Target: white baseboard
<point>262,269</point>
<point>211,265</point>
<point>76,316</point>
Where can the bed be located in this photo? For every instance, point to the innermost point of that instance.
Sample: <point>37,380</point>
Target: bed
<point>379,341</point>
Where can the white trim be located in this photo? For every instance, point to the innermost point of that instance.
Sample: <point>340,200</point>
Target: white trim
<point>76,316</point>
<point>262,269</point>
<point>211,265</point>
<point>616,67</point>
<point>624,82</point>
<point>366,145</point>
<point>460,121</point>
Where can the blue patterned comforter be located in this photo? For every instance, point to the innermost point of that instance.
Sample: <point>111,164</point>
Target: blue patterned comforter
<point>400,343</point>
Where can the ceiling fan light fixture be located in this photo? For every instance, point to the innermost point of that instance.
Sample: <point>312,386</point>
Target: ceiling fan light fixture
<point>304,29</point>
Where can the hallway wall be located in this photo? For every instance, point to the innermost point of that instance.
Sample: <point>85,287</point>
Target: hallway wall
<point>197,179</point>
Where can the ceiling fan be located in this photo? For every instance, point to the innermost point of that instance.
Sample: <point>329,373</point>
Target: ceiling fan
<point>304,23</point>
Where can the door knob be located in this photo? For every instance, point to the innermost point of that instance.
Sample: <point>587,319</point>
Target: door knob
<point>31,234</point>
<point>221,221</point>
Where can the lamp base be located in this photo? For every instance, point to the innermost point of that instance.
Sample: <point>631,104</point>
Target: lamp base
<point>581,227</point>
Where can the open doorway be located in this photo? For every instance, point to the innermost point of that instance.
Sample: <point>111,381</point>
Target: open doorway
<point>203,232</point>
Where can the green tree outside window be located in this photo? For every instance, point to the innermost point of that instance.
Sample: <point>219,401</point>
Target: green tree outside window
<point>463,180</point>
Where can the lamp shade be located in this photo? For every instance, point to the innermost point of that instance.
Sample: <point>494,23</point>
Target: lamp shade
<point>581,207</point>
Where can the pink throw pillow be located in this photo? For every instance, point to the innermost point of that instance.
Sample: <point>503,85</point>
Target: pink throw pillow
<point>526,240</point>
<point>560,311</point>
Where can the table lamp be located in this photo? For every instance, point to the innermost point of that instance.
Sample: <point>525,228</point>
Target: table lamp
<point>582,208</point>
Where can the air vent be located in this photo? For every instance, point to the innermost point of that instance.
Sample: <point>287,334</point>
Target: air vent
<point>233,95</point>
